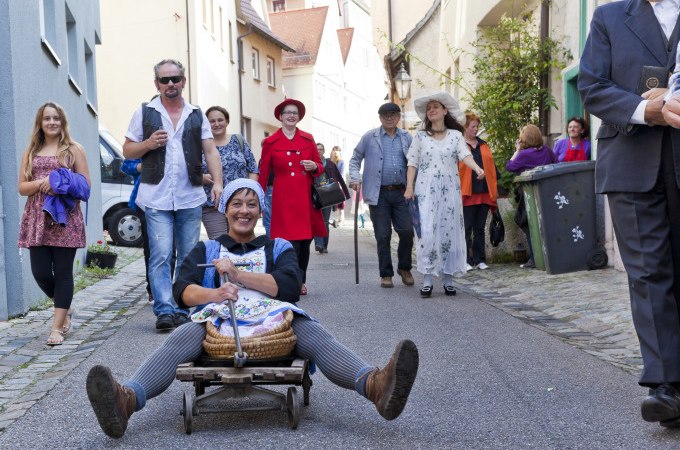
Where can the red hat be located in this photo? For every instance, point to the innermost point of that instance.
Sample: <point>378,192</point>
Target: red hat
<point>289,101</point>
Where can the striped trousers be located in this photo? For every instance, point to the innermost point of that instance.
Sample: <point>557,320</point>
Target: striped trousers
<point>337,362</point>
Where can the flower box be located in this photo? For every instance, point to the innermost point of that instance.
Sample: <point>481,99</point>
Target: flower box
<point>101,260</point>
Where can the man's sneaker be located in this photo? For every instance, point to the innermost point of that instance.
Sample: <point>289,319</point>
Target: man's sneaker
<point>112,403</point>
<point>386,282</point>
<point>388,388</point>
<point>482,265</point>
<point>406,277</point>
<point>528,265</point>
<point>468,267</point>
<point>180,319</point>
<point>165,322</point>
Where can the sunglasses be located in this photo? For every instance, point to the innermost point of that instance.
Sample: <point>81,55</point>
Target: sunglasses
<point>165,80</point>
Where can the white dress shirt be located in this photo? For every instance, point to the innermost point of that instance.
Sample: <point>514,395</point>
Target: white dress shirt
<point>666,12</point>
<point>174,190</point>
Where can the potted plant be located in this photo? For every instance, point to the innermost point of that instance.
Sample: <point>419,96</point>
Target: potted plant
<point>100,255</point>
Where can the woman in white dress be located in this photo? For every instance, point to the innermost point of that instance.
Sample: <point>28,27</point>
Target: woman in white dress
<point>433,156</point>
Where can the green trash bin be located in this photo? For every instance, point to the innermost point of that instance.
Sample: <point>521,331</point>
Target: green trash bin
<point>560,203</point>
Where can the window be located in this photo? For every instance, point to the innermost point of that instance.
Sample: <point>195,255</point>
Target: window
<point>231,47</point>
<point>91,77</point>
<point>271,72</point>
<point>255,58</point>
<point>247,128</point>
<point>212,17</point>
<point>48,34</point>
<point>72,41</point>
<point>278,5</point>
<point>221,30</point>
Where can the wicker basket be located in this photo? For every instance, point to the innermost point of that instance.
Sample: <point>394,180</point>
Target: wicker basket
<point>279,341</point>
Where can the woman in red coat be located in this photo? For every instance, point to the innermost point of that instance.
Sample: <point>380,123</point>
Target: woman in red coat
<point>292,155</point>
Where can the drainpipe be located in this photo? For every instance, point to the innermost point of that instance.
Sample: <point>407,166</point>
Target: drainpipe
<point>389,22</point>
<point>544,113</point>
<point>186,5</point>
<point>239,49</point>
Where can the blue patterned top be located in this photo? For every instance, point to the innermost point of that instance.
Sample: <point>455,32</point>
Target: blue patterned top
<point>236,163</point>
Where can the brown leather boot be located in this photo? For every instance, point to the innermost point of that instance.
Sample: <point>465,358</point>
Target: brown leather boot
<point>389,388</point>
<point>112,403</point>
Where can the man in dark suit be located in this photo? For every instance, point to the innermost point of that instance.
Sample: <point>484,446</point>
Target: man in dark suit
<point>636,168</point>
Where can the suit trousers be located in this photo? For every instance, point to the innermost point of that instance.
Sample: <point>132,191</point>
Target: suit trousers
<point>647,228</point>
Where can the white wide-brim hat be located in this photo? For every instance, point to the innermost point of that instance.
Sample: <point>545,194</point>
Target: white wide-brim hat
<point>450,103</point>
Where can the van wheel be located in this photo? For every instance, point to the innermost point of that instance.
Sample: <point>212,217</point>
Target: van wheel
<point>125,228</point>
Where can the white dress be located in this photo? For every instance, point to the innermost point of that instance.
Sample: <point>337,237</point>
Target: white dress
<point>441,247</point>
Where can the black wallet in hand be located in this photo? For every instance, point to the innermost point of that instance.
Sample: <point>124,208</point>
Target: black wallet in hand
<point>652,77</point>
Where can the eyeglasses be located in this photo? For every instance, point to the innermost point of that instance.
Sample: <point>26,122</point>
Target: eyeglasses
<point>391,115</point>
<point>290,113</point>
<point>165,80</point>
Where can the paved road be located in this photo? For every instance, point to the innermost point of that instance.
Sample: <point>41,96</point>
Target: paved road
<point>487,380</point>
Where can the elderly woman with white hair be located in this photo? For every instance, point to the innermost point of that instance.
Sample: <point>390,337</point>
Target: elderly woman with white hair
<point>434,155</point>
<point>273,277</point>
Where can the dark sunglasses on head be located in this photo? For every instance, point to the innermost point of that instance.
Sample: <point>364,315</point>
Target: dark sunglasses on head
<point>165,80</point>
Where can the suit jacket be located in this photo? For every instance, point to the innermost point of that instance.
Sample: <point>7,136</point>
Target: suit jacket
<point>624,36</point>
<point>370,151</point>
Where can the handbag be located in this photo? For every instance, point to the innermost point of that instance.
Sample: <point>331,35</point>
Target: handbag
<point>415,214</point>
<point>496,229</point>
<point>327,193</point>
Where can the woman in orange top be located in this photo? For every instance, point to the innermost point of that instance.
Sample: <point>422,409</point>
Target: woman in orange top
<point>479,196</point>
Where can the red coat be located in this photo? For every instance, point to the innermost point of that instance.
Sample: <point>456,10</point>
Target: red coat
<point>293,216</point>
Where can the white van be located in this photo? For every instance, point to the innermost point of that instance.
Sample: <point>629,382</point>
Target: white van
<point>123,224</point>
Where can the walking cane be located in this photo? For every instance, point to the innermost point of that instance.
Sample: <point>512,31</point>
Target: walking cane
<point>356,237</point>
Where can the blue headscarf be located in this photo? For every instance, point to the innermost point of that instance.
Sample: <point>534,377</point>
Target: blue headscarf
<point>237,184</point>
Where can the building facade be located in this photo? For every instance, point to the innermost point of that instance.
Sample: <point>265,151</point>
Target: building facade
<point>47,54</point>
<point>205,35</point>
<point>335,70</point>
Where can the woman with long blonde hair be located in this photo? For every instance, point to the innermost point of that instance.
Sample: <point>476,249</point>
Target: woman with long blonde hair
<point>52,246</point>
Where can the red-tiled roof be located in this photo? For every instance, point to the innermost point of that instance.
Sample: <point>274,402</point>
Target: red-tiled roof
<point>345,40</point>
<point>248,13</point>
<point>302,29</point>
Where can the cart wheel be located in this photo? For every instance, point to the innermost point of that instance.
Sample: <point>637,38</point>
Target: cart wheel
<point>199,388</point>
<point>293,404</point>
<point>188,411</point>
<point>596,258</point>
<point>306,386</point>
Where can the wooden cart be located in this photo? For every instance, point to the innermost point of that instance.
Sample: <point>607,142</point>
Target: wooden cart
<point>247,381</point>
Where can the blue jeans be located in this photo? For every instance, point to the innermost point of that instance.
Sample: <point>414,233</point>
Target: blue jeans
<point>392,210</point>
<point>267,210</point>
<point>163,227</point>
<point>323,241</point>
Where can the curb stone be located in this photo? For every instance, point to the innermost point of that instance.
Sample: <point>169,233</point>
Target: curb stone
<point>29,369</point>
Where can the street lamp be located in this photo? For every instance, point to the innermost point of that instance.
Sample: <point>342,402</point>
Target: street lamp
<point>402,82</point>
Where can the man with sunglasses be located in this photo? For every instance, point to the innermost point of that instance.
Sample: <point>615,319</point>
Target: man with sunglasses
<point>383,151</point>
<point>170,135</point>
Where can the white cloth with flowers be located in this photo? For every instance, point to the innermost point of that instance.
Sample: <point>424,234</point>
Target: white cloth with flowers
<point>255,312</point>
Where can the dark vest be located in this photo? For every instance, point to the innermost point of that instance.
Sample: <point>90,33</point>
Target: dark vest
<point>153,162</point>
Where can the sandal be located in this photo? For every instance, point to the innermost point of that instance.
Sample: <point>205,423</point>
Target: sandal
<point>426,291</point>
<point>56,337</point>
<point>303,289</point>
<point>449,290</point>
<point>69,315</point>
